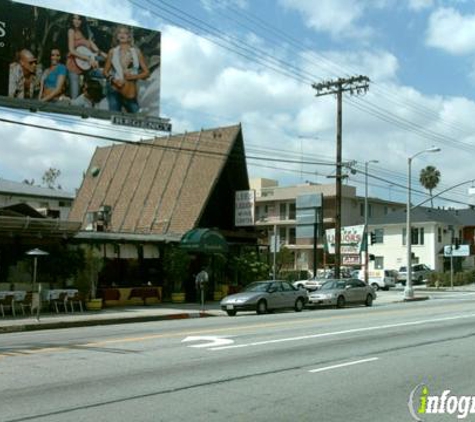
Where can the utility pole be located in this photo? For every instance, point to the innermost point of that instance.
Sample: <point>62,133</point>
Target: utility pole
<point>354,85</point>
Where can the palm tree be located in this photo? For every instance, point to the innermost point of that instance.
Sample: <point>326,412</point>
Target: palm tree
<point>429,178</point>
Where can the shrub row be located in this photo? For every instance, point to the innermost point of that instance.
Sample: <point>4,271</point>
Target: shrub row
<point>440,279</point>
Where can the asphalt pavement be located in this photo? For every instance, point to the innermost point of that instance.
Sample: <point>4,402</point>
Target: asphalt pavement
<point>168,311</point>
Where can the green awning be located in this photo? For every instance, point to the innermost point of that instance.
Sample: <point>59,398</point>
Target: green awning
<point>204,240</point>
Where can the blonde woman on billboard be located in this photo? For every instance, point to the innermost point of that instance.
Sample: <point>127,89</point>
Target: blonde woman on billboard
<point>53,80</point>
<point>83,52</point>
<point>125,65</point>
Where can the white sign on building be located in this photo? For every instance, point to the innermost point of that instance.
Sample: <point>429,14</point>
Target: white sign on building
<point>244,208</point>
<point>452,250</point>
<point>351,240</point>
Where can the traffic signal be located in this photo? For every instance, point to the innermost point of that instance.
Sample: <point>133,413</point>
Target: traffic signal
<point>373,238</point>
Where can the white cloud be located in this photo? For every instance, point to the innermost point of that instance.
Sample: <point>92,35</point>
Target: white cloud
<point>420,4</point>
<point>451,31</point>
<point>337,17</point>
<point>111,10</point>
<point>223,4</point>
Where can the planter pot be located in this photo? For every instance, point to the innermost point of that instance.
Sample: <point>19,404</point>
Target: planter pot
<point>94,305</point>
<point>178,297</point>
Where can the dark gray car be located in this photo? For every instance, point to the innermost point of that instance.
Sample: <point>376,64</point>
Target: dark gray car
<point>339,292</point>
<point>262,296</point>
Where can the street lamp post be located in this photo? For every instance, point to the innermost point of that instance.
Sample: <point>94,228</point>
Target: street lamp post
<point>366,259</point>
<point>409,291</point>
<point>35,253</point>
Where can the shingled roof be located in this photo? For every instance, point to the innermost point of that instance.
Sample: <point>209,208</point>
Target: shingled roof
<point>168,185</point>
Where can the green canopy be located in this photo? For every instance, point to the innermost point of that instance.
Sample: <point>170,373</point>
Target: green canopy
<point>204,240</point>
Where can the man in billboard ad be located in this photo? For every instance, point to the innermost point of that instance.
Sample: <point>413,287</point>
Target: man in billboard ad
<point>73,64</point>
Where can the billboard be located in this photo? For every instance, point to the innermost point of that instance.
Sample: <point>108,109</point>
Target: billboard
<point>72,64</point>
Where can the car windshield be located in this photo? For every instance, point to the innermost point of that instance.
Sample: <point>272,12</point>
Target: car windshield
<point>258,286</point>
<point>333,284</point>
<point>402,269</point>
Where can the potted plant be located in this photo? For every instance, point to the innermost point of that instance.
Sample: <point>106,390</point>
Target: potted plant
<point>175,265</point>
<point>87,280</point>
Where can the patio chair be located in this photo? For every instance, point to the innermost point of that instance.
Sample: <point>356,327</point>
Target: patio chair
<point>27,302</point>
<point>76,299</point>
<point>62,300</point>
<point>7,302</point>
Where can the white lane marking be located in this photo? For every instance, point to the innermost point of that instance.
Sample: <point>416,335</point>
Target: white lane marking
<point>342,365</point>
<point>337,333</point>
<point>212,341</point>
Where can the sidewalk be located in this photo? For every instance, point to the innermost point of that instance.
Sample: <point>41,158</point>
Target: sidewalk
<point>107,316</point>
<point>170,311</point>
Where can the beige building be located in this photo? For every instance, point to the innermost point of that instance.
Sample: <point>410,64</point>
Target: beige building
<point>276,207</point>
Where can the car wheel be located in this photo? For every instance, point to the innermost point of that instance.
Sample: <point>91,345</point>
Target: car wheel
<point>231,313</point>
<point>369,300</point>
<point>340,302</point>
<point>375,286</point>
<point>299,304</point>
<point>261,307</point>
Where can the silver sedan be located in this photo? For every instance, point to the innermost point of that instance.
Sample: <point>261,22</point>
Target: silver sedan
<point>263,296</point>
<point>339,292</point>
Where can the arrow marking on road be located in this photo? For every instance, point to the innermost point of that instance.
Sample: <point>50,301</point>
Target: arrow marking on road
<point>212,341</point>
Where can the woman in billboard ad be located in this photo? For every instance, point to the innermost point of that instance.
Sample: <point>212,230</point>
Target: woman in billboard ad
<point>84,55</point>
<point>53,80</point>
<point>125,66</point>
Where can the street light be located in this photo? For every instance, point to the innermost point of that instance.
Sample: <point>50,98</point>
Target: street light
<point>409,291</point>
<point>35,253</point>
<point>366,260</point>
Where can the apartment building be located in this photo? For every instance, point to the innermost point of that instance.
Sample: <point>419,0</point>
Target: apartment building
<point>276,209</point>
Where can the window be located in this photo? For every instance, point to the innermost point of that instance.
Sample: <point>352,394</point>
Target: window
<point>292,236</point>
<point>439,234</point>
<point>417,236</point>
<point>379,235</point>
<point>362,210</point>
<point>283,234</point>
<point>283,211</point>
<point>379,262</point>
<point>292,211</point>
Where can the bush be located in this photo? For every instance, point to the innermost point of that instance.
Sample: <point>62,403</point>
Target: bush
<point>442,279</point>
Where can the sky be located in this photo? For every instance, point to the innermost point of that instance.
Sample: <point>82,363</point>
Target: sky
<point>254,62</point>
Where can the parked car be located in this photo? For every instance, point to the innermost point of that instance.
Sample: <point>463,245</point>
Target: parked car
<point>340,292</point>
<point>314,283</point>
<point>420,273</point>
<point>380,279</point>
<point>263,296</point>
<point>311,284</point>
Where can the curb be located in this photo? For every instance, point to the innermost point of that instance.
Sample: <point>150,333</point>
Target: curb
<point>416,299</point>
<point>41,325</point>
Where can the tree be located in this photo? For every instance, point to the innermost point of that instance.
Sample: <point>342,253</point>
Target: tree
<point>429,178</point>
<point>50,176</point>
<point>176,264</point>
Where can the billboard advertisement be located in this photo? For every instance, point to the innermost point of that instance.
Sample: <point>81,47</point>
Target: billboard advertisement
<point>67,63</point>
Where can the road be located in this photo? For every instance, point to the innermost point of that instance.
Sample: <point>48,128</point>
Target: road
<point>352,364</point>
